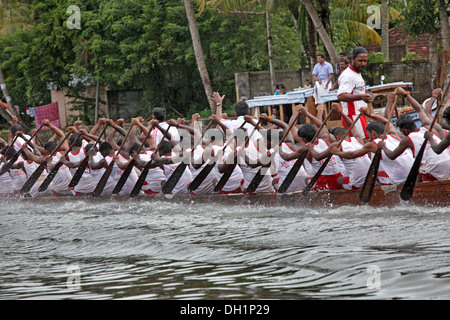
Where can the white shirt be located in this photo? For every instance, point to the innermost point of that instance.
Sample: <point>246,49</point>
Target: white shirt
<point>351,81</point>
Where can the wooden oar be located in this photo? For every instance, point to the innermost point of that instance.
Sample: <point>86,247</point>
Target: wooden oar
<point>124,177</point>
<point>43,187</point>
<point>372,174</point>
<point>408,188</point>
<point>254,184</point>
<point>179,171</point>
<point>229,171</point>
<point>80,171</point>
<point>38,172</point>
<point>138,186</point>
<point>298,164</point>
<point>104,179</point>
<point>316,177</point>
<point>18,153</point>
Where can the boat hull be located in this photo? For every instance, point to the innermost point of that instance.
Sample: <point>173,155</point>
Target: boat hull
<point>430,194</point>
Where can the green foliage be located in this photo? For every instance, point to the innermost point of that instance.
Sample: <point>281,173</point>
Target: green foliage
<point>376,57</point>
<point>139,45</point>
<point>411,56</point>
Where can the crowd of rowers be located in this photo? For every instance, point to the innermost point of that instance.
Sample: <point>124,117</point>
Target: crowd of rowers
<point>244,147</point>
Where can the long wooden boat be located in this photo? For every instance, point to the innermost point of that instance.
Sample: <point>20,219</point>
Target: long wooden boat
<point>430,194</point>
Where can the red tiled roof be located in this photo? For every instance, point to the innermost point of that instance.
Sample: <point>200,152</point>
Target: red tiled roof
<point>399,38</point>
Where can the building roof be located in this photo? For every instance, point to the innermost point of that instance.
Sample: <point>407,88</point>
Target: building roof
<point>399,39</point>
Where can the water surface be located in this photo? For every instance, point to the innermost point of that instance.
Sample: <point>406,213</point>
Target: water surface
<point>80,249</point>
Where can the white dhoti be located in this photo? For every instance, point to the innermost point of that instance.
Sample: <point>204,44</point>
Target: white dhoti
<point>320,90</point>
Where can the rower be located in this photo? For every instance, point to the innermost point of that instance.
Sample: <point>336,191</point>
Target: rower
<point>433,167</point>
<point>155,177</point>
<point>319,151</point>
<point>355,169</point>
<point>6,188</point>
<point>283,167</point>
<point>98,165</point>
<point>75,157</point>
<point>444,145</point>
<point>249,160</point>
<point>392,172</point>
<point>170,161</point>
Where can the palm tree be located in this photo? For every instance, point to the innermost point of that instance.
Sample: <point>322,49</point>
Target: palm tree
<point>198,50</point>
<point>14,15</point>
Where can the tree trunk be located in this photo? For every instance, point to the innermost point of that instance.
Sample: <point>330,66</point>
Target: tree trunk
<point>321,30</point>
<point>312,44</point>
<point>198,50</point>
<point>445,28</point>
<point>433,59</point>
<point>385,29</point>
<point>270,48</point>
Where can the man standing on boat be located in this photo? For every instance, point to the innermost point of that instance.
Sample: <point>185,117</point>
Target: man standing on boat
<point>352,90</point>
<point>323,74</point>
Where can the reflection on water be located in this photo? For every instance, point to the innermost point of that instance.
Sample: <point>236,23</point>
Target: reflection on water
<point>142,250</point>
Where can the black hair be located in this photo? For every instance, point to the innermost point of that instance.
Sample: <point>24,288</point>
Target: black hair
<point>446,114</point>
<point>159,114</point>
<point>376,126</point>
<point>165,148</point>
<point>74,138</point>
<point>241,108</point>
<point>358,51</point>
<point>343,54</point>
<point>105,148</point>
<point>321,55</point>
<point>307,132</point>
<point>338,131</point>
<point>89,147</point>
<point>406,122</point>
<point>15,128</point>
<point>50,146</point>
<point>135,148</point>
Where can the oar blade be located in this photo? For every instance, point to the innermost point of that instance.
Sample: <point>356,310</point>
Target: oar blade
<point>316,177</point>
<point>33,178</point>
<point>79,173</point>
<point>256,181</point>
<point>124,177</point>
<point>138,186</point>
<point>101,185</point>
<point>225,177</point>
<point>371,178</point>
<point>48,180</point>
<point>174,178</point>
<point>408,188</point>
<point>292,173</point>
<point>196,183</point>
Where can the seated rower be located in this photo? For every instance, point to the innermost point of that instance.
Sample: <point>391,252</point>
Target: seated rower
<point>283,167</point>
<point>249,160</point>
<point>356,169</point>
<point>200,157</point>
<point>391,172</point>
<point>6,188</point>
<point>224,157</point>
<point>60,183</point>
<point>332,172</point>
<point>444,145</point>
<point>433,166</point>
<point>170,161</point>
